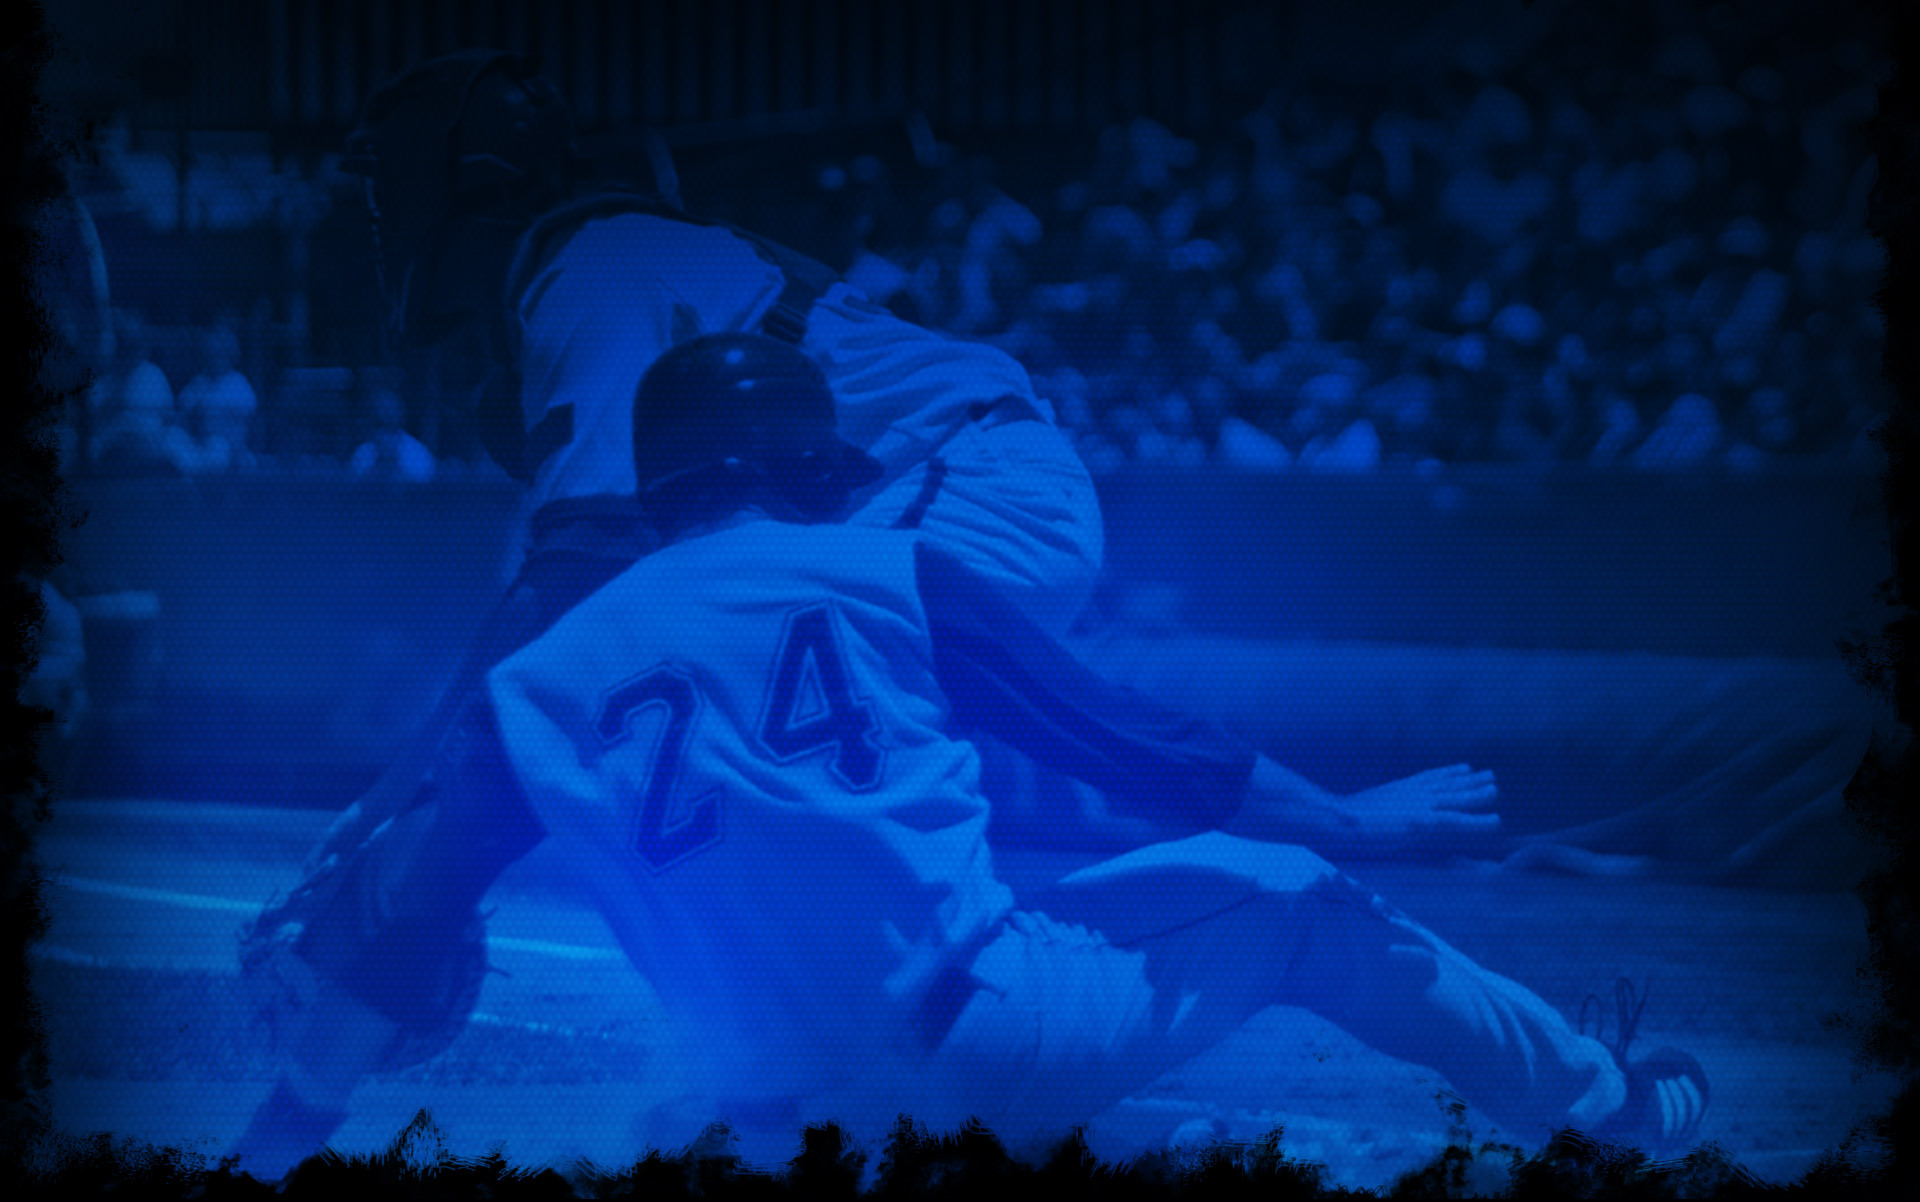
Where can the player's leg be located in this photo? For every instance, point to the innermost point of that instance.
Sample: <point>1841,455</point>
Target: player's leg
<point>1250,924</point>
<point>336,1042</point>
<point>1365,965</point>
<point>1174,947</point>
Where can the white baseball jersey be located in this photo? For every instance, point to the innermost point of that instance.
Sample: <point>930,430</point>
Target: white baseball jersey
<point>740,743</point>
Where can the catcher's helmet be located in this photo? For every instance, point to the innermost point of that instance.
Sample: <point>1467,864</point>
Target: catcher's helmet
<point>474,134</point>
<point>744,408</point>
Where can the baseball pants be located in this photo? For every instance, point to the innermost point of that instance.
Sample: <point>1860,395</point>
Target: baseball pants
<point>1131,967</point>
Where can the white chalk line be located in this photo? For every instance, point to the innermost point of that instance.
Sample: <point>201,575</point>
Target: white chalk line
<point>66,955</point>
<point>225,905</point>
<point>566,951</point>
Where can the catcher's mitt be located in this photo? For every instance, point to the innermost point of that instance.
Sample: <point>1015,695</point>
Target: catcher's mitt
<point>341,924</point>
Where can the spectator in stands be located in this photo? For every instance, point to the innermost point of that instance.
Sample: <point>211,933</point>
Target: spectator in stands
<point>391,453</point>
<point>137,430</point>
<point>218,403</point>
<point>1532,261</point>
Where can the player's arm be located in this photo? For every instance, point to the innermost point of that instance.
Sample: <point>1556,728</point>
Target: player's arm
<point>1006,677</point>
<point>1441,809</point>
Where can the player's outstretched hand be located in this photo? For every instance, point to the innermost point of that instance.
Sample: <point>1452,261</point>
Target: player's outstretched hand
<point>1443,810</point>
<point>1428,806</point>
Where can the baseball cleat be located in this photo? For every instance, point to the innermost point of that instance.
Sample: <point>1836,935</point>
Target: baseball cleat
<point>1200,1132</point>
<point>1667,1090</point>
<point>1667,1096</point>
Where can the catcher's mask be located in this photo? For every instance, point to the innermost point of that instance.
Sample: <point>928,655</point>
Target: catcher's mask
<point>469,140</point>
<point>721,414</point>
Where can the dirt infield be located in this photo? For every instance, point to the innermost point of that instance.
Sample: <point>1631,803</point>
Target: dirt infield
<point>147,1036</point>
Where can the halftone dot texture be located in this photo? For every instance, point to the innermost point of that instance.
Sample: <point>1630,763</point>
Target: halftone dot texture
<point>1479,394</point>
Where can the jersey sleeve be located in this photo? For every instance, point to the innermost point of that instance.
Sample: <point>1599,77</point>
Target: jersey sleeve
<point>1005,677</point>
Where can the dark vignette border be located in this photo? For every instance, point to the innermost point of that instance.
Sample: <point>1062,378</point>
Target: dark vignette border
<point>31,492</point>
<point>36,509</point>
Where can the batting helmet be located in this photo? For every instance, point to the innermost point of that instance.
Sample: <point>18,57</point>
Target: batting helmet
<point>744,408</point>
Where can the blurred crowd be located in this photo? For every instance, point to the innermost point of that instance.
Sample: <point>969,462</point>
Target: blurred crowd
<point>139,424</point>
<point>134,423</point>
<point>1637,247</point>
<point>1660,263</point>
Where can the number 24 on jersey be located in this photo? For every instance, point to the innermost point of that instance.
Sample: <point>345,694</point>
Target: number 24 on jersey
<point>810,711</point>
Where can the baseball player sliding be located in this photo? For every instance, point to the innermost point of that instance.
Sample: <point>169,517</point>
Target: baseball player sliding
<point>547,296</point>
<point>752,742</point>
<point>553,295</point>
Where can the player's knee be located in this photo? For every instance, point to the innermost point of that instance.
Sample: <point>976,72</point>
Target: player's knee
<point>1278,868</point>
